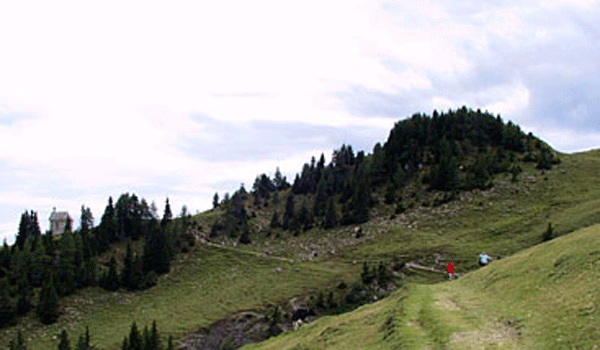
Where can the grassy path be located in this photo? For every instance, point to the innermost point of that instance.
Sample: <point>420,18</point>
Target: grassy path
<point>545,297</point>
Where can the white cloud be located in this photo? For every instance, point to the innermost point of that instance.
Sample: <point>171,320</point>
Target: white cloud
<point>110,89</point>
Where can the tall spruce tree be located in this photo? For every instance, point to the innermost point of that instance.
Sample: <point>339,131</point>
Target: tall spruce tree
<point>7,306</point>
<point>24,230</point>
<point>330,215</point>
<point>107,230</point>
<point>18,343</point>
<point>64,343</point>
<point>25,295</point>
<point>167,215</point>
<point>86,221</point>
<point>361,200</point>
<point>215,200</point>
<point>110,280</point>
<point>84,341</point>
<point>288,217</point>
<point>170,343</point>
<point>135,338</point>
<point>127,273</point>
<point>154,338</point>
<point>48,307</point>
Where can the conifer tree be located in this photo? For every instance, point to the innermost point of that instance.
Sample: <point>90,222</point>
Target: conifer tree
<point>24,230</point>
<point>84,341</point>
<point>107,230</point>
<point>288,217</point>
<point>135,339</point>
<point>154,338</point>
<point>64,343</point>
<point>330,215</point>
<point>47,308</point>
<point>146,339</point>
<point>245,236</point>
<point>127,273</point>
<point>86,221</point>
<point>361,200</point>
<point>161,253</point>
<point>274,220</point>
<point>7,306</point>
<point>167,215</point>
<point>111,279</point>
<point>215,200</point>
<point>171,345</point>
<point>320,199</point>
<point>25,295</point>
<point>4,259</point>
<point>18,343</point>
<point>66,269</point>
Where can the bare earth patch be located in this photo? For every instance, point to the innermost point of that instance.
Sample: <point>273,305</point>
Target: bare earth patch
<point>500,335</point>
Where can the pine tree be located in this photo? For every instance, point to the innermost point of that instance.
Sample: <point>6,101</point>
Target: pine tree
<point>390,193</point>
<point>162,263</point>
<point>280,181</point>
<point>7,306</point>
<point>47,308</point>
<point>361,200</point>
<point>135,339</point>
<point>330,215</point>
<point>4,259</point>
<point>18,343</point>
<point>111,279</point>
<point>215,200</point>
<point>167,215</point>
<point>66,269</point>
<point>127,273</point>
<point>107,230</point>
<point>245,236</point>
<point>25,293</point>
<point>84,341</point>
<point>288,217</point>
<point>548,235</point>
<point>170,345</point>
<point>154,338</point>
<point>320,199</point>
<point>24,230</point>
<point>274,220</point>
<point>86,222</point>
<point>64,341</point>
<point>146,339</point>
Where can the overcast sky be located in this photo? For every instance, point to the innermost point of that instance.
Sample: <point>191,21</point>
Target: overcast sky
<point>186,98</point>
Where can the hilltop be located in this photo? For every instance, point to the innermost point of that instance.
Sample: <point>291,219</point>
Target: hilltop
<point>441,188</point>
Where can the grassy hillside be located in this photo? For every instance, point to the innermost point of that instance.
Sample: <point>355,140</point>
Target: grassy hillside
<point>208,284</point>
<point>545,297</point>
<point>503,220</point>
<point>201,288</point>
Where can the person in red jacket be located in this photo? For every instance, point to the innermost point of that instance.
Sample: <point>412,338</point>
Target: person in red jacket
<point>450,269</point>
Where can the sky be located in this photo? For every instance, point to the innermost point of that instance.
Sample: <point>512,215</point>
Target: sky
<point>182,99</point>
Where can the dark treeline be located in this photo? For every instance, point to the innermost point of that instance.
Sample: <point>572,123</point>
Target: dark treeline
<point>148,339</point>
<point>448,152</point>
<point>39,269</point>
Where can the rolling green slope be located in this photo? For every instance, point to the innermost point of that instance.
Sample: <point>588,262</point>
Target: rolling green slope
<point>545,297</point>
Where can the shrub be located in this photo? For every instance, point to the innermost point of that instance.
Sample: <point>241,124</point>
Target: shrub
<point>548,235</point>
